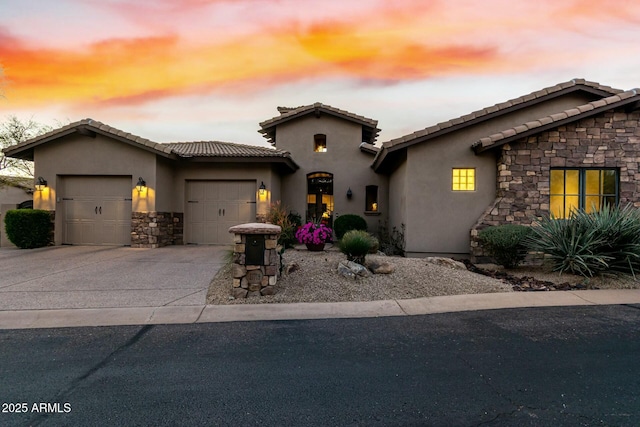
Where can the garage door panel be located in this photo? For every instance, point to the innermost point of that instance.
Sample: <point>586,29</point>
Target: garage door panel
<point>223,205</point>
<point>97,210</point>
<point>211,211</point>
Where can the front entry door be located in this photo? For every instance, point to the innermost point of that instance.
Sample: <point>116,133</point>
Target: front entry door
<point>320,197</point>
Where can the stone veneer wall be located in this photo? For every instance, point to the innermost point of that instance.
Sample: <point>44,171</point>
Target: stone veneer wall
<point>255,280</point>
<point>611,140</point>
<point>156,229</point>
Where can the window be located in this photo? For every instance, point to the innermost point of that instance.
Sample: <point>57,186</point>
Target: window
<point>320,197</point>
<point>371,198</point>
<point>320,143</point>
<point>587,189</point>
<point>463,179</point>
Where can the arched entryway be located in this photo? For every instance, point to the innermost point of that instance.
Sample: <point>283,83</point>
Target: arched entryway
<point>320,197</point>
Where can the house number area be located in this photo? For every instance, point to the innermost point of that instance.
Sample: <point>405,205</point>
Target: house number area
<point>36,407</point>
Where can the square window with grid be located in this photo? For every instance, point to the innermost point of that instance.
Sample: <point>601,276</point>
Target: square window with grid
<point>580,188</point>
<point>463,179</point>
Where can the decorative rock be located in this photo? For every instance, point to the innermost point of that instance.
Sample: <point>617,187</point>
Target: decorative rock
<point>380,267</point>
<point>236,283</point>
<point>290,268</point>
<point>345,271</point>
<point>358,270</point>
<point>239,293</point>
<point>269,290</point>
<point>446,262</point>
<point>254,287</point>
<point>239,271</point>
<point>244,283</point>
<point>253,294</point>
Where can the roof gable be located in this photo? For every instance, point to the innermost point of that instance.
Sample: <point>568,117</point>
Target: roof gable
<point>268,127</point>
<point>488,113</point>
<point>88,127</point>
<point>552,121</point>
<point>209,150</point>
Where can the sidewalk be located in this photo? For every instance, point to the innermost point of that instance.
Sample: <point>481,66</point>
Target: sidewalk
<point>174,314</point>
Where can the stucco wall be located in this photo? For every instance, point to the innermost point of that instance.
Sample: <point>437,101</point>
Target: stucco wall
<point>83,155</point>
<point>351,168</point>
<point>438,219</point>
<point>611,140</point>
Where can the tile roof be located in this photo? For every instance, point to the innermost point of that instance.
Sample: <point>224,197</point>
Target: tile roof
<point>91,126</point>
<point>554,120</point>
<point>525,99</point>
<point>289,113</point>
<point>208,149</point>
<point>223,149</point>
<point>488,112</point>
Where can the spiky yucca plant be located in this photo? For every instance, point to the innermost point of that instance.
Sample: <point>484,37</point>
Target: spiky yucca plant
<point>604,241</point>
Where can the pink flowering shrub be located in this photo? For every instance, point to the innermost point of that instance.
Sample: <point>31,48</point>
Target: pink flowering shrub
<point>315,234</point>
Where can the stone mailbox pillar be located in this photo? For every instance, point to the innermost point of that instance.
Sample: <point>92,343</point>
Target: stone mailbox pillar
<point>255,260</point>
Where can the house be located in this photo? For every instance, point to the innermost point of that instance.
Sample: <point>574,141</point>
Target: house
<point>15,192</point>
<point>572,144</point>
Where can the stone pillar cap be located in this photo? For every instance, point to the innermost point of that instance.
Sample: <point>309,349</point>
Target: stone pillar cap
<point>255,228</point>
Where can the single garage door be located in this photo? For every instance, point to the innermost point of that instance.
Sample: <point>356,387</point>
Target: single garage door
<point>214,206</point>
<point>97,210</point>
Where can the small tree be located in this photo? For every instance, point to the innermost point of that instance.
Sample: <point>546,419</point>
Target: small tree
<point>14,131</point>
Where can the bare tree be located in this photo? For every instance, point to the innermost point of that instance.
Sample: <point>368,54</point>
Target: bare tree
<point>14,131</point>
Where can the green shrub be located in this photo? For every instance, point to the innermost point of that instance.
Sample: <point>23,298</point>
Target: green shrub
<point>356,244</point>
<point>28,228</point>
<point>347,222</point>
<point>277,215</point>
<point>505,243</point>
<point>606,241</point>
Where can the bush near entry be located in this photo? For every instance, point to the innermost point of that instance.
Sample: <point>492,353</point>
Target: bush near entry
<point>356,244</point>
<point>505,243</point>
<point>28,228</point>
<point>347,222</point>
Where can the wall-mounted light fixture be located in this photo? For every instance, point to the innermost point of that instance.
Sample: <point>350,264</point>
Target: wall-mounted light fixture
<point>41,183</point>
<point>349,193</point>
<point>141,185</point>
<point>262,189</point>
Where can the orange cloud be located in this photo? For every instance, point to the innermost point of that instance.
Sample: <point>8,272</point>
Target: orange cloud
<point>399,41</point>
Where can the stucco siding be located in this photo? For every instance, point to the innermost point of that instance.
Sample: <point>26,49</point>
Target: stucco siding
<point>439,219</point>
<point>82,155</point>
<point>398,198</point>
<point>351,168</point>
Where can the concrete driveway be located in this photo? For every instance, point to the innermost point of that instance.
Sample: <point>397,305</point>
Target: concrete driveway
<point>100,277</point>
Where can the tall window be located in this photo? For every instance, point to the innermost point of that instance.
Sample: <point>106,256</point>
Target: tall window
<point>320,143</point>
<point>588,189</point>
<point>320,197</point>
<point>371,198</point>
<point>463,179</point>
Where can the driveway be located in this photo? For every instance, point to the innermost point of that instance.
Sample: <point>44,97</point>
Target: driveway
<point>100,277</point>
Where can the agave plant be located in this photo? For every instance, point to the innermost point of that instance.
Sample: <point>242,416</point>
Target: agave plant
<point>607,240</point>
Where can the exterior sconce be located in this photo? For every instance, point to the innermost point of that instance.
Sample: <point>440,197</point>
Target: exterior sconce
<point>141,185</point>
<point>262,189</point>
<point>349,193</point>
<point>41,183</point>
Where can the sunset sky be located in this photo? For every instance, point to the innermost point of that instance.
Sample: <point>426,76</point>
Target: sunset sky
<point>189,70</point>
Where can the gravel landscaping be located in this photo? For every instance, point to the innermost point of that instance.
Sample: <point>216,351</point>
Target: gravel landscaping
<point>317,280</point>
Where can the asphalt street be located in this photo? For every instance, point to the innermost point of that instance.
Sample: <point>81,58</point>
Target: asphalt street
<point>552,366</point>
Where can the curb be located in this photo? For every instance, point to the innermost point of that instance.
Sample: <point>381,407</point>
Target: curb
<point>62,318</point>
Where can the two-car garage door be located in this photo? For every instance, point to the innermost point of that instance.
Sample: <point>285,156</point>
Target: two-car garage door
<point>214,206</point>
<point>97,210</point>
